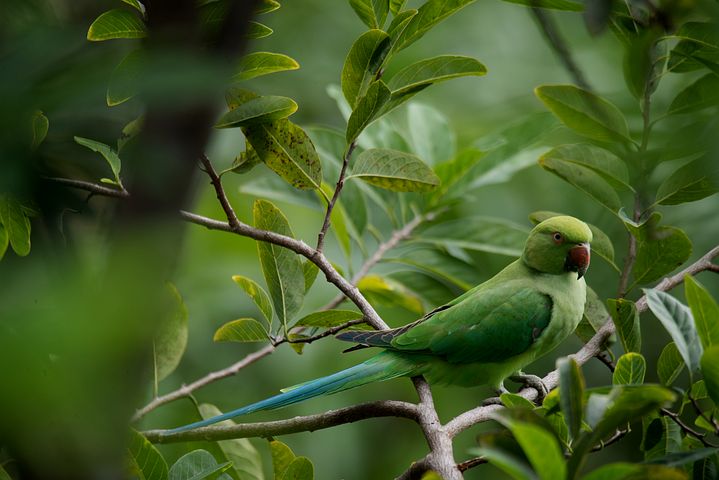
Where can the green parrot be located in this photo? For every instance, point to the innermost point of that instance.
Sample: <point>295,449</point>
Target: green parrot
<point>481,337</point>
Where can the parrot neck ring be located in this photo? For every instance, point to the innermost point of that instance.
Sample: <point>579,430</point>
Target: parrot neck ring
<point>578,259</point>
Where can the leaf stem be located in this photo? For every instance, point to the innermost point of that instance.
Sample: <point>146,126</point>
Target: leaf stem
<point>335,196</point>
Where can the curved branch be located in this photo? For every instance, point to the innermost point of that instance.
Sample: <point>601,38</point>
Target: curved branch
<point>309,423</point>
<point>335,196</point>
<point>93,188</point>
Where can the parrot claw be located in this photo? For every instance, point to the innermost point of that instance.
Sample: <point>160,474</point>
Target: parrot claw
<point>532,381</point>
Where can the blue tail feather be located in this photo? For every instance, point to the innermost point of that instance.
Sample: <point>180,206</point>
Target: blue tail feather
<point>374,369</point>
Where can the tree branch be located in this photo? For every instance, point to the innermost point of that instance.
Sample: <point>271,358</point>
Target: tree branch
<point>221,196</point>
<point>335,196</point>
<point>309,423</point>
<point>326,333</point>
<point>93,188</point>
<point>686,428</point>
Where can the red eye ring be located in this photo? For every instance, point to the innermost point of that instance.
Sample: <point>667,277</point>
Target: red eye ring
<point>558,238</point>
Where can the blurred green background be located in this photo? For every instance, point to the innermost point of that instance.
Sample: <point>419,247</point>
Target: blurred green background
<point>318,34</point>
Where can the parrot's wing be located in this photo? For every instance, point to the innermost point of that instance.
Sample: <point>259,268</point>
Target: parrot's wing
<point>489,326</point>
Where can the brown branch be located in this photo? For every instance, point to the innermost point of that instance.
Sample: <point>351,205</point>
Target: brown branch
<point>335,196</point>
<point>309,423</point>
<point>686,428</point>
<point>471,463</point>
<point>618,435</point>
<point>93,188</point>
<point>187,390</point>
<point>221,196</point>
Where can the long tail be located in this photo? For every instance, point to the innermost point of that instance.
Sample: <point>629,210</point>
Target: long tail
<point>378,368</point>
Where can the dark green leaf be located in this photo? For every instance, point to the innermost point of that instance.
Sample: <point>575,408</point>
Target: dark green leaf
<point>145,460</point>
<point>644,59</point>
<point>428,15</point>
<point>197,465</point>
<point>661,435</point>
<point>245,161</point>
<point>108,154</point>
<point>634,471</point>
<point>510,400</point>
<point>40,125</point>
<point>630,370</point>
<point>398,24</point>
<point>282,456</point>
<point>310,271</point>
<point>116,23</point>
<point>171,336</point>
<point>385,291</point>
<point>566,5</point>
<point>125,78</point>
<point>258,110</point>
<point>585,179</point>
<point>4,238</point>
<point>246,460</point>
<point>434,70</point>
<point>455,170</point>
<point>257,294</point>
<point>266,6</point>
<point>258,30</point>
<point>263,63</point>
<point>506,462</point>
<point>328,318</point>
<point>665,249</point>
<point>242,330</point>
<point>368,109</point>
<point>594,318</point>
<point>704,310</point>
<point>363,60</point>
<point>136,5</point>
<point>571,394</point>
<point>585,112</point>
<point>288,151</point>
<point>485,234</point>
<point>610,167</point>
<point>394,170</point>
<point>16,225</point>
<point>677,319</point>
<point>282,268</point>
<point>373,13</point>
<point>710,370</point>
<point>129,132</point>
<point>299,469</point>
<point>670,364</point>
<point>677,459</point>
<point>430,135</point>
<point>689,183</point>
<point>626,319</point>
<point>699,95</point>
<point>396,6</point>
<point>698,43</point>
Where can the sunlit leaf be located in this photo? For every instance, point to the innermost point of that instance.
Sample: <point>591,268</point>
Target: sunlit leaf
<point>510,400</point>
<point>704,310</point>
<point>263,63</point>
<point>631,368</point>
<point>310,271</point>
<point>394,170</point>
<point>241,330</point>
<point>258,110</point>
<point>116,23</point>
<point>197,465</point>
<point>145,460</point>
<point>257,294</point>
<point>328,318</point>
<point>258,30</point>
<point>384,291</point>
<point>16,225</point>
<point>266,6</point>
<point>670,364</point>
<point>282,457</point>
<point>107,152</point>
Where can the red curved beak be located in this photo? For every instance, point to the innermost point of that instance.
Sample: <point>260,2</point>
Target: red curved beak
<point>578,259</point>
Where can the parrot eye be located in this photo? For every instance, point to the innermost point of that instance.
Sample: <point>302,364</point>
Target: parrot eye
<point>557,237</point>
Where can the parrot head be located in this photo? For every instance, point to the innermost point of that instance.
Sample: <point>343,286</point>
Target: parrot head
<point>557,245</point>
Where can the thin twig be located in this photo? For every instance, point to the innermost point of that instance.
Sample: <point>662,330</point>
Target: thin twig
<point>220,191</point>
<point>309,423</point>
<point>335,196</point>
<point>604,358</point>
<point>326,333</point>
<point>187,390</point>
<point>471,463</point>
<point>618,435</point>
<point>686,428</point>
<point>93,188</point>
<point>700,412</point>
<point>551,33</point>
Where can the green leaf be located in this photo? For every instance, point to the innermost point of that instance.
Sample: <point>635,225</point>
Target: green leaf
<point>634,471</point>
<point>129,132</point>
<point>594,317</point>
<point>664,249</point>
<point>455,170</point>
<point>125,78</point>
<point>430,135</point>
<point>266,6</point>
<point>40,125</point>
<point>243,330</point>
<point>710,371</point>
<point>434,70</point>
<point>328,318</point>
<point>509,464</point>
<point>257,294</point>
<point>703,93</point>
<point>288,151</point>
<point>107,152</point>
<point>362,63</point>
<point>299,469</point>
<point>384,291</point>
<point>585,112</point>
<point>601,243</point>
<point>626,319</point>
<point>670,364</point>
<point>689,183</point>
<point>258,30</point>
<point>661,436</point>
<point>398,24</point>
<point>197,465</point>
<point>263,63</point>
<point>146,462</point>
<point>171,337</point>
<point>698,41</point>
<point>571,394</point>
<point>396,6</point>
<point>373,13</point>
<point>246,460</point>
<point>677,459</point>
<point>677,320</point>
<point>282,457</point>
<point>258,110</point>
<point>485,234</point>
<point>282,268</point>
<point>245,161</point>
<point>310,271</point>
<point>394,170</point>
<point>630,369</point>
<point>510,400</point>
<point>116,23</point>
<point>4,237</point>
<point>583,178</point>
<point>16,225</point>
<point>428,15</point>
<point>368,109</point>
<point>704,310</point>
<point>610,167</point>
<point>566,5</point>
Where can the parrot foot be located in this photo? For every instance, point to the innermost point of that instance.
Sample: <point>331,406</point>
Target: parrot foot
<point>495,400</point>
<point>532,381</point>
